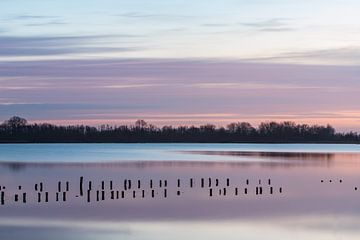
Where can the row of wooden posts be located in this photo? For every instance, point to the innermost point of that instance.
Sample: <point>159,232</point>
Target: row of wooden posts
<point>63,189</point>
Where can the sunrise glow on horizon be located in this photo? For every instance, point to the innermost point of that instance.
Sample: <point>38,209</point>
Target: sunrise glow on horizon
<point>172,63</point>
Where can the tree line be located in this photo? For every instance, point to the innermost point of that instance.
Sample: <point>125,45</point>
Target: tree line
<point>18,130</point>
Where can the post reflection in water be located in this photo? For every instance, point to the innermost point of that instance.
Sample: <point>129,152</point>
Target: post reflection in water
<point>278,195</point>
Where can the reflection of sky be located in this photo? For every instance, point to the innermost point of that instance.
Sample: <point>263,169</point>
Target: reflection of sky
<point>287,228</point>
<point>82,153</point>
<point>307,209</point>
<point>169,61</point>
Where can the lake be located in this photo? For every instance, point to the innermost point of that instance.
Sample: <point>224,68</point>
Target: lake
<point>179,191</point>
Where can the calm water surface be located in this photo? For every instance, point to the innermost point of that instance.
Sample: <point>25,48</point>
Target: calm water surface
<point>185,191</point>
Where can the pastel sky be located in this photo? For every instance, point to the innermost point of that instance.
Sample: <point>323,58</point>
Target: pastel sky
<point>181,62</point>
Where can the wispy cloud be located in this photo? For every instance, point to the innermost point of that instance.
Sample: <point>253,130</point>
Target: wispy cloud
<point>330,56</point>
<point>270,25</point>
<point>57,45</point>
<point>152,16</point>
<point>32,17</point>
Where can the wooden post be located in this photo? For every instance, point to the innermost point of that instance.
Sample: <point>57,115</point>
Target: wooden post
<point>88,195</point>
<point>81,185</point>
<point>24,197</point>
<point>228,182</point>
<point>191,182</point>
<point>210,192</point>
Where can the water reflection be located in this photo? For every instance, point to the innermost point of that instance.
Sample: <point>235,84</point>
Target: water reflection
<point>313,202</point>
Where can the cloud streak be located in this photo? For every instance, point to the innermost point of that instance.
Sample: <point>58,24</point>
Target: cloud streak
<point>57,45</point>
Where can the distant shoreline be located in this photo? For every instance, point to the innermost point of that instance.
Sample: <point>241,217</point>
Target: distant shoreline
<point>17,130</point>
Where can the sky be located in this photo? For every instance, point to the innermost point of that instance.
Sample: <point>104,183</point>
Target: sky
<point>181,62</point>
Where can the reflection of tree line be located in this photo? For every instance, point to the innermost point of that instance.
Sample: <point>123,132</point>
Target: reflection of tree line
<point>17,129</point>
<point>266,159</point>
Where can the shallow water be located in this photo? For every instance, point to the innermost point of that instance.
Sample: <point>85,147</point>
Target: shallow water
<point>207,191</point>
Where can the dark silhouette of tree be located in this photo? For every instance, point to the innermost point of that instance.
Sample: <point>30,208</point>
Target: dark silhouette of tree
<point>15,122</point>
<point>17,129</point>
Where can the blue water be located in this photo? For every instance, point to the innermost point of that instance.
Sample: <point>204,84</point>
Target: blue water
<point>149,152</point>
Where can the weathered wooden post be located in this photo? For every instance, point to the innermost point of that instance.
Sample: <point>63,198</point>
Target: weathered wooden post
<point>88,195</point>
<point>81,185</point>
<point>2,197</point>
